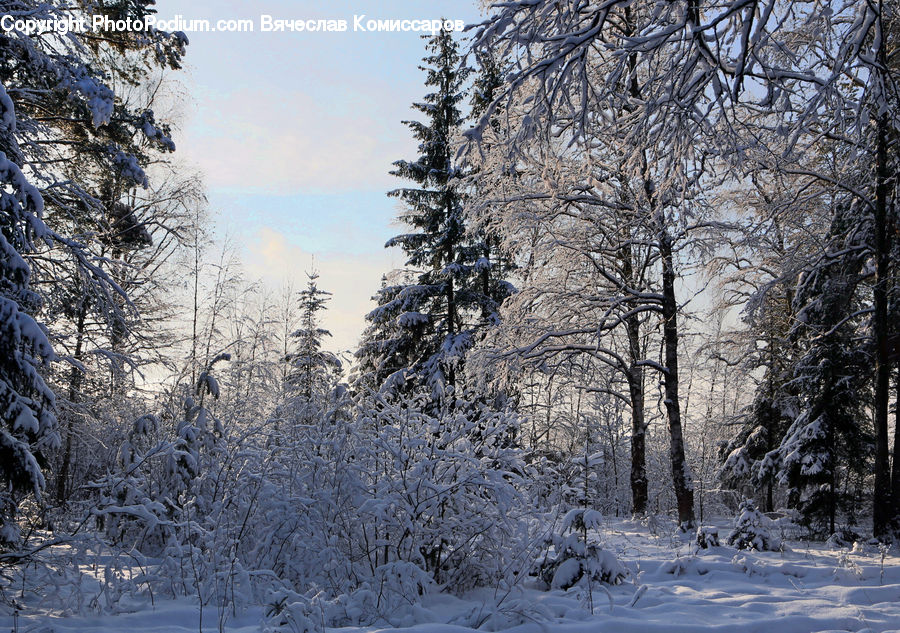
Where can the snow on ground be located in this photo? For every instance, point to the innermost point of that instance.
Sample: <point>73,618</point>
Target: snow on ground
<point>806,588</point>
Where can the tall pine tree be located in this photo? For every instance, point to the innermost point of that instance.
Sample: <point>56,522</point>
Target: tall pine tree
<point>425,322</point>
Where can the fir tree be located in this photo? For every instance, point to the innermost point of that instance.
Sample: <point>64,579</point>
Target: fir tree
<point>424,324</point>
<point>386,348</point>
<point>823,453</point>
<point>766,420</point>
<point>27,416</point>
<point>314,371</point>
<point>86,143</point>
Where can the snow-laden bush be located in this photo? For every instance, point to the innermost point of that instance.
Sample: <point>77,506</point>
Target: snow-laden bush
<point>443,492</point>
<point>363,504</point>
<point>752,530</point>
<point>574,553</point>
<point>388,597</point>
<point>707,536</point>
<point>289,612</point>
<point>842,538</point>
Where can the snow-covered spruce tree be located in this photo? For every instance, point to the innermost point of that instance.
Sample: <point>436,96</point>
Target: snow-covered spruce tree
<point>824,454</point>
<point>751,530</point>
<point>385,349</point>
<point>762,426</point>
<point>768,275</point>
<point>313,372</point>
<point>27,416</point>
<point>441,478</point>
<point>86,147</point>
<point>574,552</point>
<point>425,322</point>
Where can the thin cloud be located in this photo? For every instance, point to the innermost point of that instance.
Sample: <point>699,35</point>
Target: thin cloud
<point>296,143</point>
<point>352,280</point>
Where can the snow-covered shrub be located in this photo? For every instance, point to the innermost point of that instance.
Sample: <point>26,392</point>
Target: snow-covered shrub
<point>443,491</point>
<point>314,471</point>
<point>842,538</point>
<point>707,536</point>
<point>388,597</point>
<point>845,561</point>
<point>684,566</point>
<point>128,511</point>
<point>356,507</point>
<point>159,483</point>
<point>191,497</point>
<point>575,553</point>
<point>290,612</point>
<point>752,530</point>
<point>545,484</point>
<point>360,508</point>
<point>656,524</point>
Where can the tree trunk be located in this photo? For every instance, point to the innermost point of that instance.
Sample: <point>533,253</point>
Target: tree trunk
<point>635,377</point>
<point>452,315</point>
<point>451,331</point>
<point>195,316</point>
<point>62,477</point>
<point>638,424</point>
<point>895,467</point>
<point>684,487</point>
<point>881,509</point>
<point>832,465</point>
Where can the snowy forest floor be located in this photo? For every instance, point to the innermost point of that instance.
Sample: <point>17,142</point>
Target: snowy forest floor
<point>808,587</point>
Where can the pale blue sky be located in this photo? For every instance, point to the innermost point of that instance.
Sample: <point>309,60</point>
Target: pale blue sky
<point>295,134</point>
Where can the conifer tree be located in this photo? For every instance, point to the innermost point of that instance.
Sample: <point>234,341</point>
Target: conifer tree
<point>385,348</point>
<point>766,420</point>
<point>822,457</point>
<point>86,147</point>
<point>425,322</point>
<point>27,416</point>
<point>314,371</point>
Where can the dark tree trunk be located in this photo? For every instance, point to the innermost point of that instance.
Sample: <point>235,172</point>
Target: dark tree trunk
<point>832,479</point>
<point>638,424</point>
<point>62,477</point>
<point>684,488</point>
<point>635,374</point>
<point>451,330</point>
<point>882,506</point>
<point>895,467</point>
<point>772,418</point>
